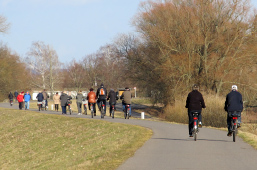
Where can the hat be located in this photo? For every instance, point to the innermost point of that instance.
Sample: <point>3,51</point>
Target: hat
<point>234,87</point>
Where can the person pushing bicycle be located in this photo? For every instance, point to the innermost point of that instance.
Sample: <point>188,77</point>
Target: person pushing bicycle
<point>233,103</point>
<point>194,103</point>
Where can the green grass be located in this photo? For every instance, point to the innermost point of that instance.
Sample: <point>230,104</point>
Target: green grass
<point>31,140</point>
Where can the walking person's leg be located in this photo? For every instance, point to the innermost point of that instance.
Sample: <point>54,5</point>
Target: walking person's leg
<point>28,105</point>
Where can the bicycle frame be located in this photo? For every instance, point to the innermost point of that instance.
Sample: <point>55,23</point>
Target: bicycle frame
<point>92,109</point>
<point>234,127</point>
<point>127,109</point>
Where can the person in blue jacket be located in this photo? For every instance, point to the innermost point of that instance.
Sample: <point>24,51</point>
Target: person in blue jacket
<point>27,98</point>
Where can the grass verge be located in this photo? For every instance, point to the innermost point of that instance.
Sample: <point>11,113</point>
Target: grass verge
<point>31,140</point>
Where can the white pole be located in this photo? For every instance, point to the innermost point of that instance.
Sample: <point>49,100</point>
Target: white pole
<point>142,115</point>
<point>52,107</point>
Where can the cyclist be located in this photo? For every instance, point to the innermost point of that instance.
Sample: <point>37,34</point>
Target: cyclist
<point>91,97</point>
<point>126,99</point>
<point>40,97</point>
<point>112,97</point>
<point>101,94</point>
<point>233,103</point>
<point>10,96</point>
<point>194,103</point>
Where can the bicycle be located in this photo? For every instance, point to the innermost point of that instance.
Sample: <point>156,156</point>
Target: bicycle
<point>126,113</point>
<point>234,123</point>
<point>85,106</point>
<point>39,106</point>
<point>102,109</point>
<point>195,128</point>
<point>69,102</point>
<point>11,102</point>
<point>92,110</point>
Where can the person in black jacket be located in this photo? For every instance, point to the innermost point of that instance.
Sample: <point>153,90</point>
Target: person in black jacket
<point>101,94</point>
<point>112,97</point>
<point>194,102</point>
<point>233,103</point>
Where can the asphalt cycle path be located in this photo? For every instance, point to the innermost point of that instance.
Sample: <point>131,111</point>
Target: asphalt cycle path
<point>170,147</point>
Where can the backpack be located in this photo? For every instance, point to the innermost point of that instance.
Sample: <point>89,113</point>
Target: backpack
<point>102,92</point>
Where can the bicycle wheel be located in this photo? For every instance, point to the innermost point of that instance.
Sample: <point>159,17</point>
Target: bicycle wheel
<point>195,134</point>
<point>39,108</point>
<point>92,113</point>
<point>112,113</point>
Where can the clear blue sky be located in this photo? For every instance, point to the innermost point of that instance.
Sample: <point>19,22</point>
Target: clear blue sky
<point>74,28</point>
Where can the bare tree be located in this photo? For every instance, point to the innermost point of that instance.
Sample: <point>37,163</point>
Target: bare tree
<point>44,65</point>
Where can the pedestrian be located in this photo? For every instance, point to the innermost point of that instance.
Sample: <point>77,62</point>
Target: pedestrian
<point>16,95</point>
<point>27,98</point>
<point>20,99</point>
<point>56,99</point>
<point>79,99</point>
<point>233,105</point>
<point>46,96</point>
<point>64,99</point>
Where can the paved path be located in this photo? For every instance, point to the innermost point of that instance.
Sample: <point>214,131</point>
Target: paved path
<point>170,148</point>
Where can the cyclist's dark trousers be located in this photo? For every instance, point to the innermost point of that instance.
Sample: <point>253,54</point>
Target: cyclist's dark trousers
<point>229,118</point>
<point>104,102</point>
<point>89,104</point>
<point>56,106</point>
<point>191,120</point>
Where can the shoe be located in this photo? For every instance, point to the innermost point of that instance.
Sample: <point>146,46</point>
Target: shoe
<point>129,115</point>
<point>238,125</point>
<point>200,124</point>
<point>229,134</point>
<point>190,136</point>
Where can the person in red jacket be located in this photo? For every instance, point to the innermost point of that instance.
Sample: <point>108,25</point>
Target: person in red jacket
<point>20,99</point>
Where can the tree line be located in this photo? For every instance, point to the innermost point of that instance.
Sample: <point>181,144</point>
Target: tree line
<point>178,43</point>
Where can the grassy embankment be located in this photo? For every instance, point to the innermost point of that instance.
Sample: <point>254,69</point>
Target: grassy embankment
<point>213,116</point>
<point>31,140</point>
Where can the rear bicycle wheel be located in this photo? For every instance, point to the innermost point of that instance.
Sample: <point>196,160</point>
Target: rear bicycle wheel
<point>85,110</point>
<point>112,113</point>
<point>195,134</point>
<point>92,113</point>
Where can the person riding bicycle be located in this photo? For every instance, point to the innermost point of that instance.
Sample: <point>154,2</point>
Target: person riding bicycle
<point>194,103</point>
<point>112,97</point>
<point>101,94</point>
<point>126,99</point>
<point>233,103</point>
<point>91,97</point>
<point>40,97</point>
<point>10,96</point>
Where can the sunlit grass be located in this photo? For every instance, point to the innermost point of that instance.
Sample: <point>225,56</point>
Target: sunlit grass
<point>31,140</point>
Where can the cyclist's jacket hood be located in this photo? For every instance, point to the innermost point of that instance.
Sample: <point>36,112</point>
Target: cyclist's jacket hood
<point>195,101</point>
